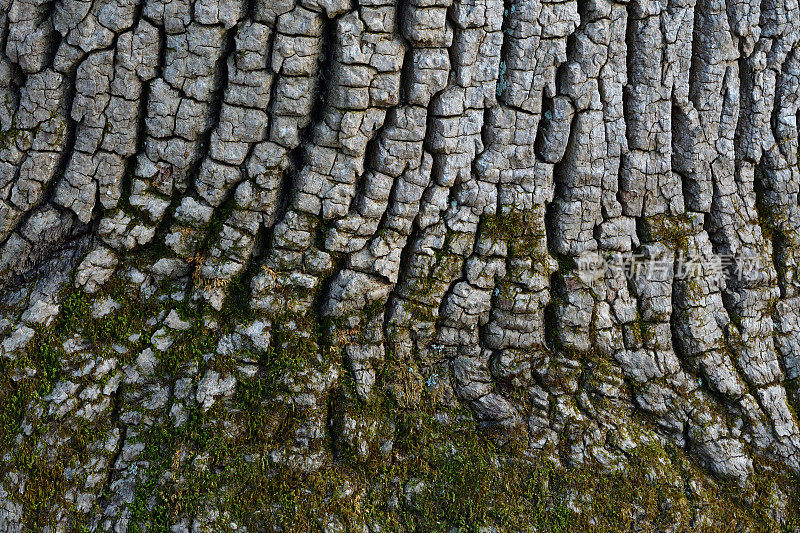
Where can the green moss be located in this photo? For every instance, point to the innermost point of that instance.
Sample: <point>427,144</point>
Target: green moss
<point>463,482</point>
<point>24,382</point>
<point>18,388</point>
<point>443,475</point>
<point>10,136</point>
<point>436,475</point>
<point>670,229</point>
<point>521,230</point>
<point>102,333</point>
<point>296,341</point>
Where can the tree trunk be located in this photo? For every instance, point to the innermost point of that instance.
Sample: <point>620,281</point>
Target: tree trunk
<point>408,265</point>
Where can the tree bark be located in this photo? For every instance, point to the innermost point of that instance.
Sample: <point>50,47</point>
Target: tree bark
<point>275,232</point>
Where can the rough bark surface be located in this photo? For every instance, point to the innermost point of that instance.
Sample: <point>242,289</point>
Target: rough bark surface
<point>262,262</point>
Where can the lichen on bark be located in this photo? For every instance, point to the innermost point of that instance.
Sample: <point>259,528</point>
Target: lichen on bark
<point>317,265</point>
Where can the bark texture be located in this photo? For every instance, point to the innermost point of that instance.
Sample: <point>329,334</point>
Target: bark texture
<point>284,237</point>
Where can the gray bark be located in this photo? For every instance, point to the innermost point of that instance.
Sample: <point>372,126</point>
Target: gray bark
<point>399,198</point>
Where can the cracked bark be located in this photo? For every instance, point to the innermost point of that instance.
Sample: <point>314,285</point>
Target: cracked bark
<point>394,197</point>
